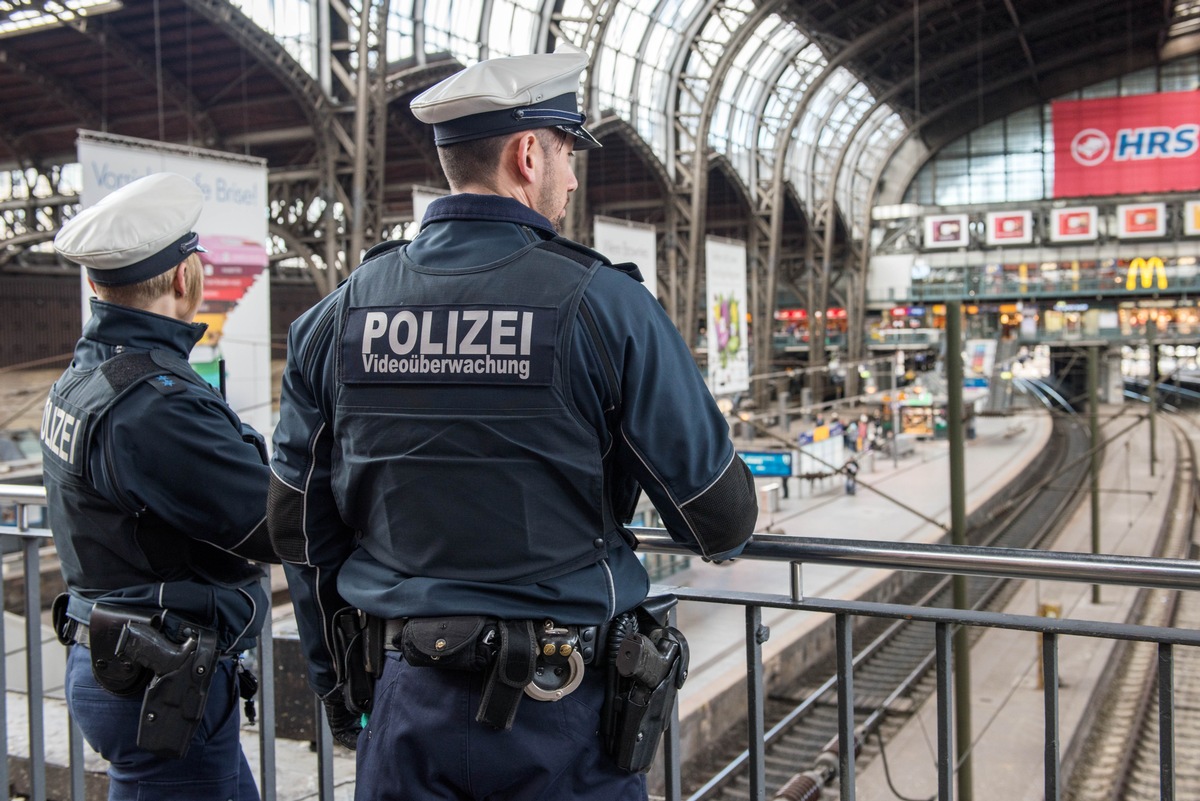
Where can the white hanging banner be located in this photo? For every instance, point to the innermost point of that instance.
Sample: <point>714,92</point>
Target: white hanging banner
<point>422,196</point>
<point>233,229</point>
<point>625,241</point>
<point>728,351</point>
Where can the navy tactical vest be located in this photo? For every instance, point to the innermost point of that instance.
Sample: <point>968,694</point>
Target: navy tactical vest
<point>460,454</point>
<point>130,556</point>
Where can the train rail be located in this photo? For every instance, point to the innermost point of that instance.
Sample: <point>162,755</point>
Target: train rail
<point>1121,756</point>
<point>892,671</point>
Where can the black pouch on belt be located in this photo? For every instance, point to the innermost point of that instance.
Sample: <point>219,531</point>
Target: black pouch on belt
<point>358,655</point>
<point>465,642</point>
<point>115,671</point>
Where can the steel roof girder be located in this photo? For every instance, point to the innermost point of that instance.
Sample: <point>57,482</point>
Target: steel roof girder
<point>60,91</point>
<point>173,89</point>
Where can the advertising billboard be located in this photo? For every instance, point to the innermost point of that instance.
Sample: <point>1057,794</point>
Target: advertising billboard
<point>947,231</point>
<point>625,241</point>
<point>233,228</point>
<point>1073,225</point>
<point>728,345</point>
<point>1141,220</point>
<point>1127,145</point>
<point>1191,217</point>
<point>1009,227</point>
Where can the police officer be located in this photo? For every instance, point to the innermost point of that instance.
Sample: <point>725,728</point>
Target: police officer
<point>464,428</point>
<point>157,500</point>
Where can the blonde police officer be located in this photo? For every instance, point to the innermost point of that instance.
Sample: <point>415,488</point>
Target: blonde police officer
<point>157,497</point>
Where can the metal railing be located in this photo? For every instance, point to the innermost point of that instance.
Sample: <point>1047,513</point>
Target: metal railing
<point>977,285</point>
<point>1147,572</point>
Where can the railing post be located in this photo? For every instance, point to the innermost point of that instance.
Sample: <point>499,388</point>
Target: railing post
<point>266,703</point>
<point>4,687</point>
<point>1166,722</point>
<point>1050,701</point>
<point>756,635</point>
<point>945,707</point>
<point>75,746</point>
<point>33,664</point>
<point>672,753</point>
<point>1094,429</point>
<point>845,693</point>
<point>324,751</point>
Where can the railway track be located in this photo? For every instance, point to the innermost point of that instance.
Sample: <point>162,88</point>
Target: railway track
<point>893,672</point>
<point>1120,758</point>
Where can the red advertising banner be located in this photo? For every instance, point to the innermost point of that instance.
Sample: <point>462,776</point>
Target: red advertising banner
<point>1071,225</point>
<point>1009,227</point>
<point>1141,220</point>
<point>1126,145</point>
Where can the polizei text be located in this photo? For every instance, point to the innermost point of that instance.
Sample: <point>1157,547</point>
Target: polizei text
<point>451,344</point>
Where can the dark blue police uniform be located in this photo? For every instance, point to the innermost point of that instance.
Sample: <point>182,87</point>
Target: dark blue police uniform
<point>464,428</point>
<point>156,494</point>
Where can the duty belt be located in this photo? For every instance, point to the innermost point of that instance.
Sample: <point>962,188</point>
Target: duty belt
<point>544,661</point>
<point>82,635</point>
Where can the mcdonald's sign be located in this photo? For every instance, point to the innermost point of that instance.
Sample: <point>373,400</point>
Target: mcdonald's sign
<point>1150,270</point>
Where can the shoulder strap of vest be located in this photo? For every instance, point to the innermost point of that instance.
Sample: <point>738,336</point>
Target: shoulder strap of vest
<point>590,259</point>
<point>381,248</point>
<point>126,369</point>
<point>574,251</point>
<point>587,257</point>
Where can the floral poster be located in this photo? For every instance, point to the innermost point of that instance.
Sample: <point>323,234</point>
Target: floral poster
<point>728,351</point>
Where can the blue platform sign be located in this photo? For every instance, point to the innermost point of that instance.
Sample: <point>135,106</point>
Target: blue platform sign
<point>768,463</point>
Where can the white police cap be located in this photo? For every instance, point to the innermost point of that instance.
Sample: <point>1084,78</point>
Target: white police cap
<point>505,95</point>
<point>139,231</point>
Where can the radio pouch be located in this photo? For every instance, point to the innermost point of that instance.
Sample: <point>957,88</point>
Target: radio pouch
<point>358,636</point>
<point>115,671</point>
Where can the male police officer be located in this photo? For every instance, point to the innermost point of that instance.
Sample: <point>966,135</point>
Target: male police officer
<point>157,499</point>
<point>463,430</point>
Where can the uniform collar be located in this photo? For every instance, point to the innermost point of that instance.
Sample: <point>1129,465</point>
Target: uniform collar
<point>116,325</point>
<point>487,207</point>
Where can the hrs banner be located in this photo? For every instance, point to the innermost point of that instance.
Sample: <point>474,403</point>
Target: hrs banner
<point>1127,145</point>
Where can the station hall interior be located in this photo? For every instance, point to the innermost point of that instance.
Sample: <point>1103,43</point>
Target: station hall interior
<point>812,189</point>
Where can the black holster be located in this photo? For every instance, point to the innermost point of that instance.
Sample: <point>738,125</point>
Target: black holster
<point>174,703</point>
<point>645,675</point>
<point>358,656</point>
<point>115,671</point>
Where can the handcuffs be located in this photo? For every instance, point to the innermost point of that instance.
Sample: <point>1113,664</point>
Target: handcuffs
<point>559,667</point>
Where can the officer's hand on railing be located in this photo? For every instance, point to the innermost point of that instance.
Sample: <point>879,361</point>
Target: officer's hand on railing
<point>344,724</point>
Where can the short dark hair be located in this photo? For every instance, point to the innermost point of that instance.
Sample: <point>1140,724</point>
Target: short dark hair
<point>476,160</point>
<point>473,161</point>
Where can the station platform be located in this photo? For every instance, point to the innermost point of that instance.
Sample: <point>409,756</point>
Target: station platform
<point>893,501</point>
<point>1007,708</point>
<point>896,500</point>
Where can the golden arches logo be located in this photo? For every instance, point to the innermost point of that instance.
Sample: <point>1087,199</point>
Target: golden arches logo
<point>1150,270</point>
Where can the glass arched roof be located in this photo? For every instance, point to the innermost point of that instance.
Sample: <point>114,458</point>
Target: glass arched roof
<point>655,64</point>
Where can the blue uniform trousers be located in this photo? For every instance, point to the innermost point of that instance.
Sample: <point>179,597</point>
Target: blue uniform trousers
<point>423,744</point>
<point>214,768</point>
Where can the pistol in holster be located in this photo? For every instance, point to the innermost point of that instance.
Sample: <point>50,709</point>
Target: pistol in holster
<point>131,654</point>
<point>646,672</point>
<point>358,656</point>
